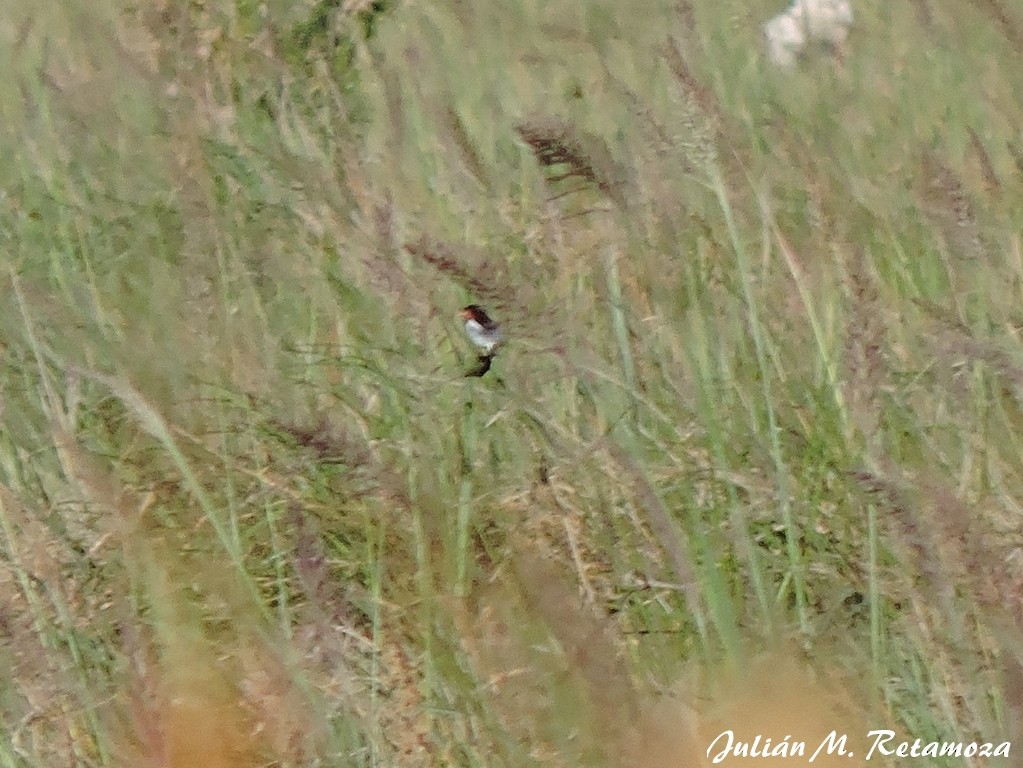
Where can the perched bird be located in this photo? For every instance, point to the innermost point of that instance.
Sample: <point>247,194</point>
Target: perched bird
<point>482,331</point>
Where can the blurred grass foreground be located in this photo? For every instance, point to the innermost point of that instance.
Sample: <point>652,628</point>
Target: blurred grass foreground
<point>751,460</point>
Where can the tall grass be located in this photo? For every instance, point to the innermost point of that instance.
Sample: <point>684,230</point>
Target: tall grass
<point>758,417</point>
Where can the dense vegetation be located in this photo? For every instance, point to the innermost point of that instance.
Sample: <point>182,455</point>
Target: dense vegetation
<point>751,459</point>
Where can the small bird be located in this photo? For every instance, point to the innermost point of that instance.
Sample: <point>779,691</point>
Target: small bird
<point>485,334</point>
<point>482,331</point>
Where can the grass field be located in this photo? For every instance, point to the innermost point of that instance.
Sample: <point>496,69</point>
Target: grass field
<point>752,458</point>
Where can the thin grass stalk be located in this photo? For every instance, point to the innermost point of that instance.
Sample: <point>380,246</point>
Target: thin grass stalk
<point>467,444</point>
<point>17,565</point>
<point>375,540</point>
<point>774,442</point>
<point>82,666</point>
<point>424,586</point>
<point>718,599</point>
<point>462,537</point>
<point>52,402</point>
<point>828,360</point>
<point>711,420</point>
<point>278,558</point>
<point>616,305</point>
<point>874,596</point>
<point>675,544</point>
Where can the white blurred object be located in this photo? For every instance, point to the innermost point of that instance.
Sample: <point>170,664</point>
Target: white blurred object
<point>826,21</point>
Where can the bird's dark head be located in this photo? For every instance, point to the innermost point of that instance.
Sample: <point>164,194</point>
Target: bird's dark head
<point>475,312</point>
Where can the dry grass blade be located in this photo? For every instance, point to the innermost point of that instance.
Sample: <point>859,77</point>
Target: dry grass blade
<point>956,340</point>
<point>558,144</point>
<point>587,642</point>
<point>443,259</point>
<point>951,207</point>
<point>1008,24</point>
<point>656,135</point>
<point>916,533</point>
<point>699,116</point>
<point>700,94</point>
<point>686,15</point>
<point>896,499</point>
<point>1016,150</point>
<point>310,563</point>
<point>667,533</point>
<point>923,12</point>
<point>466,146</point>
<point>328,442</point>
<point>864,349</point>
<point>987,168</point>
<point>1013,677</point>
<point>332,443</point>
<point>953,549</point>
